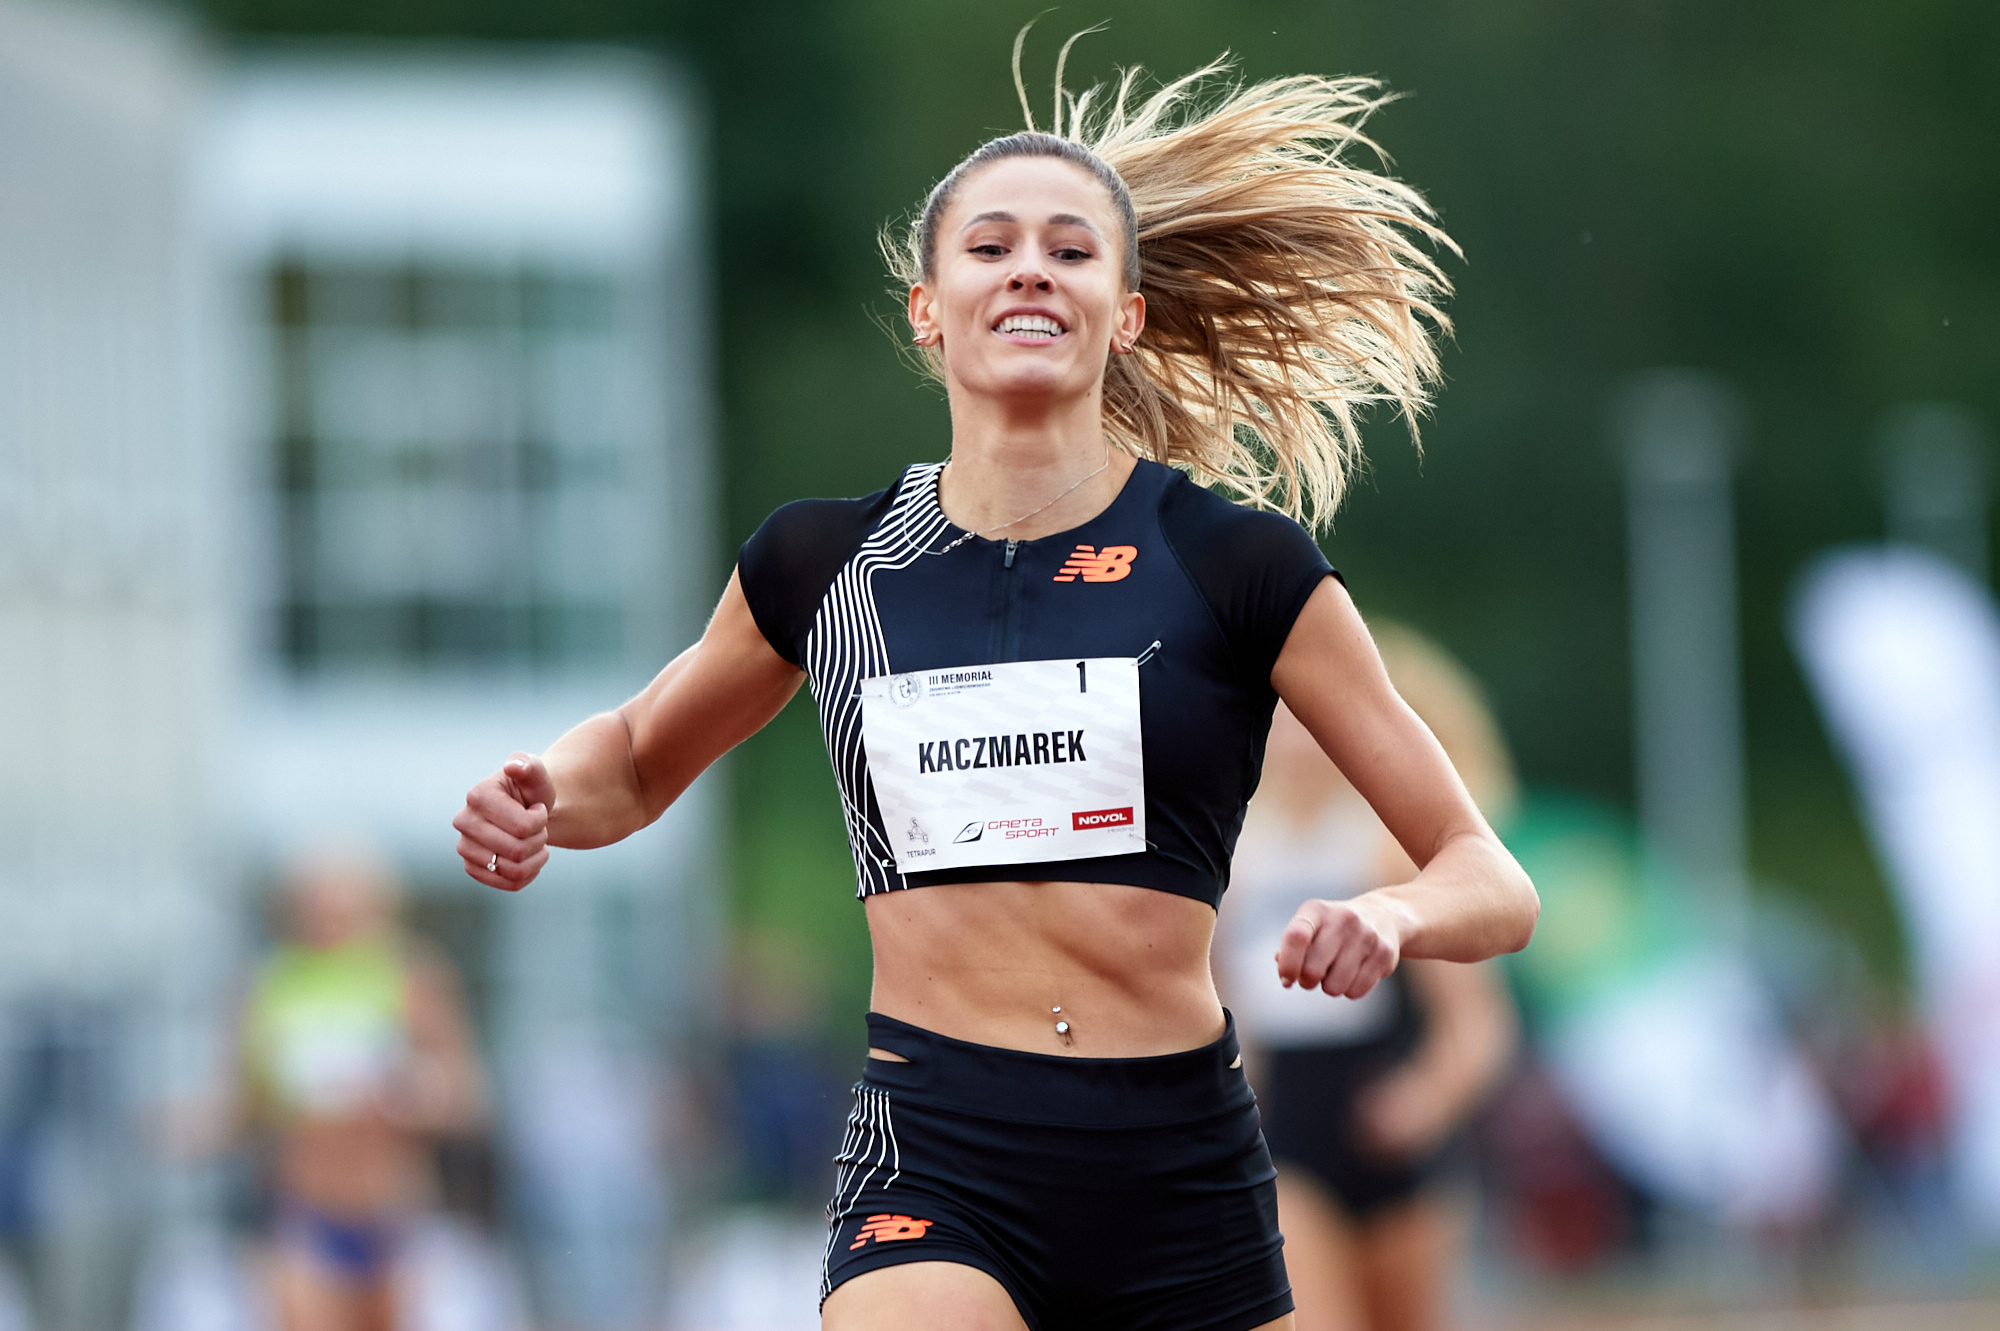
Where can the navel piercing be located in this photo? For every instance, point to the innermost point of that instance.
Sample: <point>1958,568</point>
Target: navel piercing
<point>1062,1027</point>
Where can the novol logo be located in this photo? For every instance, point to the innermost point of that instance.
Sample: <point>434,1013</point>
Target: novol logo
<point>1085,821</point>
<point>972,831</point>
<point>1111,564</point>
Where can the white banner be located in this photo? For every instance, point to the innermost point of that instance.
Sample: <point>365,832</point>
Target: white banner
<point>1902,650</point>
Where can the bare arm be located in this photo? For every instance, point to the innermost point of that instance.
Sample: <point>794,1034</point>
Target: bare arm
<point>446,1092</point>
<point>1469,900</point>
<point>618,771</point>
<point>1470,1033</point>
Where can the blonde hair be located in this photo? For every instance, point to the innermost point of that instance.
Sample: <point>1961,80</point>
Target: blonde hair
<point>1286,288</point>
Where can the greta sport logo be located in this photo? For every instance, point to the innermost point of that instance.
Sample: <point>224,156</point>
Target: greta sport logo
<point>1111,564</point>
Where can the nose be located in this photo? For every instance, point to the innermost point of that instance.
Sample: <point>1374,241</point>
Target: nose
<point>1029,274</point>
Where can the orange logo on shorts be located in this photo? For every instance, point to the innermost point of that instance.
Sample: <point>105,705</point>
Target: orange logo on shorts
<point>889,1229</point>
<point>1110,564</point>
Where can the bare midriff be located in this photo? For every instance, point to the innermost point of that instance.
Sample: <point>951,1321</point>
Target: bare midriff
<point>990,963</point>
<point>358,1165</point>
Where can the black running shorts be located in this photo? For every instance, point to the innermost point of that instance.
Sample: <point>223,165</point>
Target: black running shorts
<point>1309,1104</point>
<point>1127,1193</point>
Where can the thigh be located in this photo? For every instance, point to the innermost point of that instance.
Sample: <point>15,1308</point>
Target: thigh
<point>1406,1259</point>
<point>921,1296</point>
<point>307,1298</point>
<point>1320,1255</point>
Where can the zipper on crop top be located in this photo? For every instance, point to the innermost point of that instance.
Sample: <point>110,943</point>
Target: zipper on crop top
<point>1009,584</point>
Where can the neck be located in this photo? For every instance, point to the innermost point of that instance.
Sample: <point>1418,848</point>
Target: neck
<point>1008,459</point>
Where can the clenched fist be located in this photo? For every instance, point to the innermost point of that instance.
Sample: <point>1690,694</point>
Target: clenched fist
<point>1341,948</point>
<point>503,830</point>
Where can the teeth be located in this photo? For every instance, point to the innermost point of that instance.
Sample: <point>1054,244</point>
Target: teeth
<point>1029,325</point>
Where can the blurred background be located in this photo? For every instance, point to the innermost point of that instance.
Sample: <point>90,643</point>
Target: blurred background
<point>384,387</point>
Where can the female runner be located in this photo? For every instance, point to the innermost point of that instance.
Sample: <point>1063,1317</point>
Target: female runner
<point>1361,1101</point>
<point>1045,670</point>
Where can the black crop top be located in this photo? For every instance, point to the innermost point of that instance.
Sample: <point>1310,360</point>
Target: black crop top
<point>849,589</point>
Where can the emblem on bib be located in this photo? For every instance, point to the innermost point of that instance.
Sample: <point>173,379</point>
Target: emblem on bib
<point>907,691</point>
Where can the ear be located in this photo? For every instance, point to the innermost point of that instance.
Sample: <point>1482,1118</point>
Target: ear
<point>923,322</point>
<point>1131,319</point>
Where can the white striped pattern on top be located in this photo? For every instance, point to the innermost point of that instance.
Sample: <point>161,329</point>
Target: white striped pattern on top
<point>845,646</point>
<point>868,1148</point>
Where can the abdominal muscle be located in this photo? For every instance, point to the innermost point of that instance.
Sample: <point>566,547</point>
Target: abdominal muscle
<point>988,962</point>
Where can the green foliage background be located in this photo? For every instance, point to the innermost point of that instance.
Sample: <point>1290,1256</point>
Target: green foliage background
<point>1800,194</point>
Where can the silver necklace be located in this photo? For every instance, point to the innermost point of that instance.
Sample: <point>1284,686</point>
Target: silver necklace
<point>1031,513</point>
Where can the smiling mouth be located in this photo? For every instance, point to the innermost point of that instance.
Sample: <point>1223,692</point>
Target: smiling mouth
<point>1030,326</point>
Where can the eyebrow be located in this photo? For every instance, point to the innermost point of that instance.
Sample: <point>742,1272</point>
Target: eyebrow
<point>1055,219</point>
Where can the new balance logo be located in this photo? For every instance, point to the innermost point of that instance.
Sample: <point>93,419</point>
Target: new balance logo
<point>889,1229</point>
<point>1110,564</point>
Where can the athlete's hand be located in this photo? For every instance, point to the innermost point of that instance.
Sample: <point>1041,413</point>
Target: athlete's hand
<point>1404,1113</point>
<point>505,823</point>
<point>1341,948</point>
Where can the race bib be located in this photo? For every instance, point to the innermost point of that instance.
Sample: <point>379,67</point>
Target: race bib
<point>1008,763</point>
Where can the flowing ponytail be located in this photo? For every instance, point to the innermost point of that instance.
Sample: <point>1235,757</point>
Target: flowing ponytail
<point>1286,288</point>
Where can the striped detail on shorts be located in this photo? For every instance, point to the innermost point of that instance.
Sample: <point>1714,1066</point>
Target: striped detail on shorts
<point>868,1149</point>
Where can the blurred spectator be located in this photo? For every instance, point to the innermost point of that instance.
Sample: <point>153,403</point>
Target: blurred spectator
<point>788,1096</point>
<point>1556,1203</point>
<point>355,1060</point>
<point>1363,1099</point>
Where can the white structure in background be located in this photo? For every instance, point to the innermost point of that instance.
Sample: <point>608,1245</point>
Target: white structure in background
<point>354,431</point>
<point>1688,1080</point>
<point>114,632</point>
<point>1902,649</point>
<point>471,293</point>
<point>753,1272</point>
<point>1937,457</point>
<point>1685,1076</point>
<point>1679,435</point>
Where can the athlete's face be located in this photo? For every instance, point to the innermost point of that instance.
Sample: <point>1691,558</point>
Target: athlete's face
<point>1028,294</point>
<point>335,903</point>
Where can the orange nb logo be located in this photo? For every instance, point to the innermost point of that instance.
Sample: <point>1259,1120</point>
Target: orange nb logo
<point>889,1229</point>
<point>1110,564</point>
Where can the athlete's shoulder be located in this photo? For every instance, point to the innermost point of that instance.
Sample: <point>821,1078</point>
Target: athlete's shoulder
<point>1253,567</point>
<point>789,562</point>
<point>1198,520</point>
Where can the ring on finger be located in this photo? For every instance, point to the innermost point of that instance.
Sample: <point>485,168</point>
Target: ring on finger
<point>493,863</point>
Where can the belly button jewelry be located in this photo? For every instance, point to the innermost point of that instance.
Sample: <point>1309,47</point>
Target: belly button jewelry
<point>1062,1027</point>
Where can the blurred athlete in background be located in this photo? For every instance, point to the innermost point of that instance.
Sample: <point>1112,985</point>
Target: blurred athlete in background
<point>355,1057</point>
<point>1362,1098</point>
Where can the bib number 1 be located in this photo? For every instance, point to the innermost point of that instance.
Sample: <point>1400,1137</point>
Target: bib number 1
<point>1014,763</point>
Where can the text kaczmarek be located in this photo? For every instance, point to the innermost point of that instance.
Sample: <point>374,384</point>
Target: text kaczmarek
<point>981,751</point>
